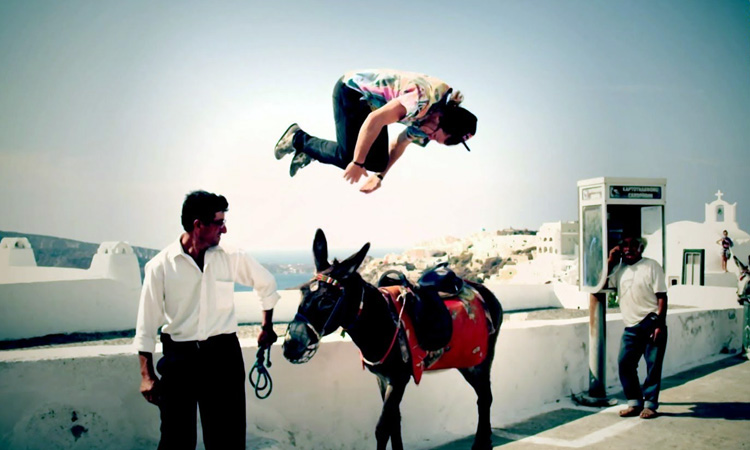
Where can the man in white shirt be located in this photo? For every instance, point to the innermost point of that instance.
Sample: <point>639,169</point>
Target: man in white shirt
<point>642,293</point>
<point>189,289</point>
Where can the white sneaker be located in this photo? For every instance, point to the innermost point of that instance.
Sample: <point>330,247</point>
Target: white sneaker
<point>299,161</point>
<point>284,145</point>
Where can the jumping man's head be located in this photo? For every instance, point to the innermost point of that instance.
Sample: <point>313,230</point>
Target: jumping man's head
<point>451,125</point>
<point>203,217</point>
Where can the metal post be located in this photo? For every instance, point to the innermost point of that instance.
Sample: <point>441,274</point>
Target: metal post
<point>746,327</point>
<point>597,395</point>
<point>598,346</point>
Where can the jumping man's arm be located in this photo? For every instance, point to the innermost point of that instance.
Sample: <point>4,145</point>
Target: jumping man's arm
<point>397,149</point>
<point>392,112</point>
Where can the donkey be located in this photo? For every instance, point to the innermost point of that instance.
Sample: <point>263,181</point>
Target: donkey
<point>337,296</point>
<point>743,282</point>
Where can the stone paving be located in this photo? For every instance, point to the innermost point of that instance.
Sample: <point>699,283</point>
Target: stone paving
<point>707,407</point>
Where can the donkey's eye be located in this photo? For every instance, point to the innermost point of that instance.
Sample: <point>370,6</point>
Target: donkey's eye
<point>314,286</point>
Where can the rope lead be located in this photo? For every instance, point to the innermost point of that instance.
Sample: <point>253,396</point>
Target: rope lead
<point>259,377</point>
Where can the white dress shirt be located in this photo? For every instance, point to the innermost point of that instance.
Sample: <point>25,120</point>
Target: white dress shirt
<point>194,305</point>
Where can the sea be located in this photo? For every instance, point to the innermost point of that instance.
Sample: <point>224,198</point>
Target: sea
<point>303,261</point>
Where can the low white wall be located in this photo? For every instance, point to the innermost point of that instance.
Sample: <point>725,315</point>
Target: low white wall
<point>247,307</point>
<point>42,308</point>
<point>703,296</point>
<point>330,402</point>
<point>516,297</point>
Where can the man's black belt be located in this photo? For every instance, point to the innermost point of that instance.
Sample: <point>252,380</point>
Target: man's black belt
<point>218,340</point>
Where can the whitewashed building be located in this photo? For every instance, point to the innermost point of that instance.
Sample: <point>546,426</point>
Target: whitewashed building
<point>37,301</point>
<point>693,254</point>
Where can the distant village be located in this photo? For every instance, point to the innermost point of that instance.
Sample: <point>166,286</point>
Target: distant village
<point>550,255</point>
<point>503,256</point>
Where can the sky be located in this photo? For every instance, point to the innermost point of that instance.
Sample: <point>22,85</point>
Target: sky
<point>111,111</point>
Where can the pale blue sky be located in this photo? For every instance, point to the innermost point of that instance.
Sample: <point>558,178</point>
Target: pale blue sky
<point>111,111</point>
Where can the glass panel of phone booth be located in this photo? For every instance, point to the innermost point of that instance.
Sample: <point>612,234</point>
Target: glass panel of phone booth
<point>593,273</point>
<point>652,221</point>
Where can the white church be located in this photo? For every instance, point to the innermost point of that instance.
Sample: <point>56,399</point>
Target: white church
<point>693,254</point>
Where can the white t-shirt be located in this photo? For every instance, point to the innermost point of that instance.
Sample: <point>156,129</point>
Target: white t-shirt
<point>637,286</point>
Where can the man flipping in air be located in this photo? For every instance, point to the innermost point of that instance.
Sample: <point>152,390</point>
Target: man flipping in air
<point>364,104</point>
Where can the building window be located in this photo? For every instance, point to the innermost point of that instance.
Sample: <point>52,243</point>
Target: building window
<point>720,213</point>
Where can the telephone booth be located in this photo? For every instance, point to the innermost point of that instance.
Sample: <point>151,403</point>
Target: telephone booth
<point>610,208</point>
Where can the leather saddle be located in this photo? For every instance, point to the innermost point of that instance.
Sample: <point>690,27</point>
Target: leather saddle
<point>433,323</point>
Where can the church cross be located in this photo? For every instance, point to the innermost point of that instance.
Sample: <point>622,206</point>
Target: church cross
<point>719,194</point>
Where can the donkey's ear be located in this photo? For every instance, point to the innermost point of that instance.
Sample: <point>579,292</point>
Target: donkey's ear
<point>352,263</point>
<point>320,251</point>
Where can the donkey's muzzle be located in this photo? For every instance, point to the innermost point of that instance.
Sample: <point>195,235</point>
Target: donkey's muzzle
<point>298,348</point>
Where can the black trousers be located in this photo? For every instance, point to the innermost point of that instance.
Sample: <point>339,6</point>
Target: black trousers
<point>350,112</point>
<point>208,376</point>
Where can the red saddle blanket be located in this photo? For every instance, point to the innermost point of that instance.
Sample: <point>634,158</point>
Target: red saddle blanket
<point>468,344</point>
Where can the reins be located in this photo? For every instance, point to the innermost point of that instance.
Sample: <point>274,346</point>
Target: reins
<point>262,382</point>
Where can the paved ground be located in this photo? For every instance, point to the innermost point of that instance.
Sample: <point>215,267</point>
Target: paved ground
<point>705,408</point>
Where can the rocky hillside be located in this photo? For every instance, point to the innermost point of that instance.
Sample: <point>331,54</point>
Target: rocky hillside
<point>476,257</point>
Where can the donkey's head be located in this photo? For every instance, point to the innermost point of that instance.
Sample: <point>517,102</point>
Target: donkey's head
<point>328,301</point>
<point>743,280</point>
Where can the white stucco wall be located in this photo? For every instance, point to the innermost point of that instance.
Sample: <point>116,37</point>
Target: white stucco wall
<point>37,301</point>
<point>329,403</point>
<point>38,309</point>
<point>16,252</point>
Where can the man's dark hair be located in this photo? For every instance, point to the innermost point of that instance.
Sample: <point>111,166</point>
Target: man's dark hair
<point>459,123</point>
<point>203,206</point>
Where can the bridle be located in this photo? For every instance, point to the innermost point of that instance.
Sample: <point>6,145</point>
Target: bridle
<point>312,348</point>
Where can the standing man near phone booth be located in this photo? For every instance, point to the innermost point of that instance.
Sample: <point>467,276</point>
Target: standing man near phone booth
<point>642,294</point>
<point>608,208</point>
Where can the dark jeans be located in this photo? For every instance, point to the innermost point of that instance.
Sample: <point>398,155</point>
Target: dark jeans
<point>209,375</point>
<point>636,343</point>
<point>350,112</point>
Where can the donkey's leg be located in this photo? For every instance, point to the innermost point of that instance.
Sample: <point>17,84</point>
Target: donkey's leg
<point>479,378</point>
<point>389,424</point>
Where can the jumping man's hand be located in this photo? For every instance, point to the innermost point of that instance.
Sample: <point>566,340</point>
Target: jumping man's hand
<point>371,185</point>
<point>353,173</point>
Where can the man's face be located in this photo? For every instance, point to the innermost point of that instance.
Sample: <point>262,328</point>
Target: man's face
<point>431,127</point>
<point>631,250</point>
<point>210,233</point>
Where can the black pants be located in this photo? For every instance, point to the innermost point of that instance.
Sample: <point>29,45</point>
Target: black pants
<point>350,112</point>
<point>209,375</point>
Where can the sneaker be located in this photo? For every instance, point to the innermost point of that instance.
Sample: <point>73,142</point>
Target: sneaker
<point>284,145</point>
<point>299,161</point>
